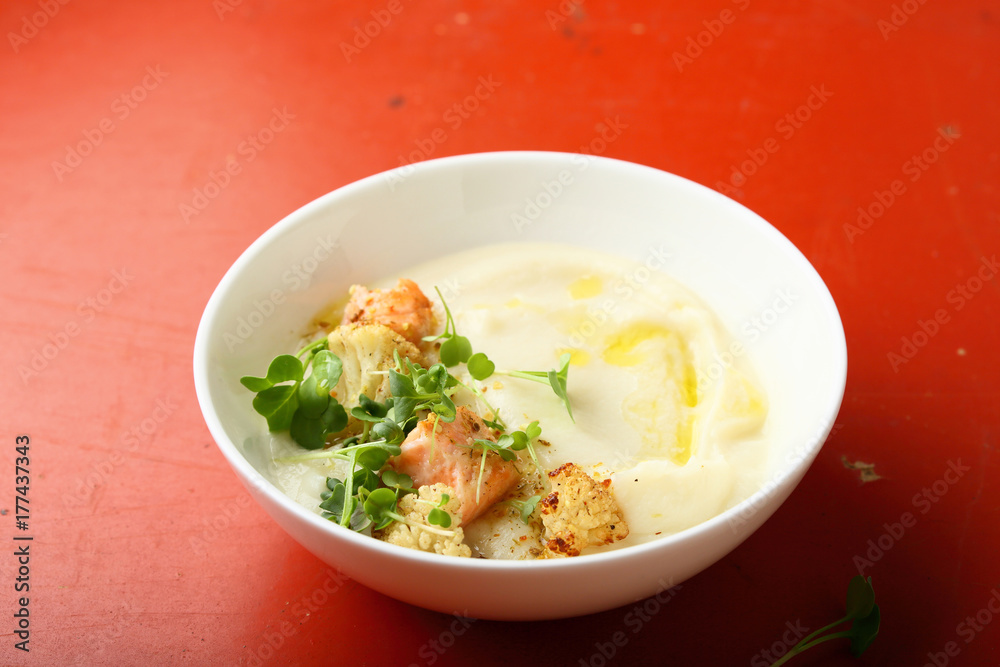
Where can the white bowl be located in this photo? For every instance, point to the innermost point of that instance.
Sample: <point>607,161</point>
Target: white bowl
<point>732,258</point>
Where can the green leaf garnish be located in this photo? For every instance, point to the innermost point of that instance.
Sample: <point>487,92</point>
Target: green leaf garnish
<point>861,611</point>
<point>304,408</point>
<point>455,350</point>
<point>526,507</point>
<point>334,500</point>
<point>255,384</point>
<point>864,631</point>
<point>439,517</point>
<point>526,440</point>
<point>283,368</point>
<point>505,447</point>
<point>533,431</point>
<point>277,404</point>
<point>860,598</point>
<point>327,369</point>
<point>312,402</point>
<point>397,480</point>
<point>480,367</point>
<point>380,506</point>
<point>556,378</point>
<point>306,431</point>
<point>420,389</point>
<point>371,411</point>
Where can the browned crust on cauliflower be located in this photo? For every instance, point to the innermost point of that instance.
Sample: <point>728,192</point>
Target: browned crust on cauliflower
<point>580,512</point>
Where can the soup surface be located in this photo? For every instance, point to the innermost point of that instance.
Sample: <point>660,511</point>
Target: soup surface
<point>660,408</point>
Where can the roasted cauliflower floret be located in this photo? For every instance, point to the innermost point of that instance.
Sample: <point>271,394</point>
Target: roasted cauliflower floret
<point>366,351</point>
<point>580,512</point>
<point>418,533</point>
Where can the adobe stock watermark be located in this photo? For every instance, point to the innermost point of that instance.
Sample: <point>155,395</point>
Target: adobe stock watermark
<point>899,17</point>
<point>121,108</point>
<point>752,330</point>
<point>451,288</point>
<point>223,7</point>
<point>365,33</point>
<point>627,286</point>
<point>913,168</point>
<point>791,636</point>
<point>32,24</point>
<point>696,44</point>
<point>454,118</point>
<point>301,611</point>
<point>968,629</point>
<point>634,621</point>
<point>923,502</point>
<point>140,433</point>
<point>432,650</point>
<point>297,277</point>
<point>786,127</point>
<point>247,150</point>
<point>756,502</point>
<point>608,131</point>
<point>957,297</point>
<point>109,633</point>
<point>563,11</point>
<point>217,524</point>
<point>87,310</point>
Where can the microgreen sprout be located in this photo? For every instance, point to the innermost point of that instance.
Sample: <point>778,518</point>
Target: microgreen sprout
<point>861,611</point>
<point>370,412</point>
<point>397,480</point>
<point>526,507</point>
<point>555,378</point>
<point>502,448</point>
<point>505,447</point>
<point>438,515</point>
<point>530,435</point>
<point>349,452</point>
<point>420,389</point>
<point>380,506</point>
<point>313,347</point>
<point>340,502</point>
<point>290,400</point>
<point>497,422</point>
<point>366,460</point>
<point>480,367</point>
<point>455,349</point>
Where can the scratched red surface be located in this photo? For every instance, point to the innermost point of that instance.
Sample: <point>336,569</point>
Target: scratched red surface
<point>135,167</point>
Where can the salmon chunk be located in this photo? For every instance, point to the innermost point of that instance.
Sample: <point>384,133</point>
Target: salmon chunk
<point>404,309</point>
<point>455,463</point>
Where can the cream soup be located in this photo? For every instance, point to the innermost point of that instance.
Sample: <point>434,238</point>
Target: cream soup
<point>676,424</point>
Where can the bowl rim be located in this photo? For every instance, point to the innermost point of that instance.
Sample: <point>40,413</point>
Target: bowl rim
<point>788,477</point>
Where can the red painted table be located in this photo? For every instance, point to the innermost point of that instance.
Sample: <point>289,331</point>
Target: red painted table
<point>145,145</point>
